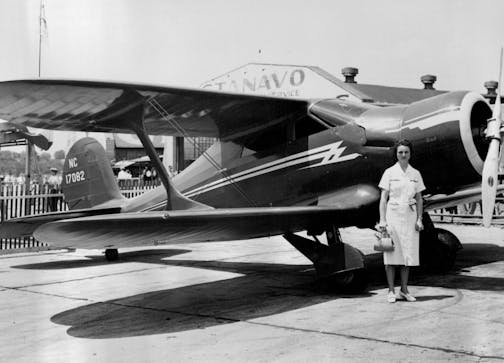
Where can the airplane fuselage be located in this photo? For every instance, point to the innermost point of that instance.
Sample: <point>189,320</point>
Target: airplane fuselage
<point>445,132</point>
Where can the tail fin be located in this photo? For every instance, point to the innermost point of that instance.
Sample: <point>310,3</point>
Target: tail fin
<point>88,179</point>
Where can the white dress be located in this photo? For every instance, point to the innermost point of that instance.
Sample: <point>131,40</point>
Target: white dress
<point>401,214</point>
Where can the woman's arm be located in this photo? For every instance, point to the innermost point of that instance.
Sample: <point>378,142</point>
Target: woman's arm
<point>419,208</point>
<point>383,207</point>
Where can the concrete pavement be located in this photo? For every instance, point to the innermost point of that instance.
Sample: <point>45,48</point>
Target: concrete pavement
<point>246,301</point>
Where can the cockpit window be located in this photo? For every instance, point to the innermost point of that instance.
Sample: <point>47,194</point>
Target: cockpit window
<point>282,133</point>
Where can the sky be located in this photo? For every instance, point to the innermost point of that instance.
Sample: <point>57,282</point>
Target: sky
<point>185,43</point>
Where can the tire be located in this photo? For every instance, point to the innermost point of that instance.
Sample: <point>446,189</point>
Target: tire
<point>439,256</point>
<point>111,254</point>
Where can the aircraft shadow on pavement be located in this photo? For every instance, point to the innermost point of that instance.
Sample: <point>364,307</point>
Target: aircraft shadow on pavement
<point>99,260</point>
<point>263,290</point>
<point>472,255</point>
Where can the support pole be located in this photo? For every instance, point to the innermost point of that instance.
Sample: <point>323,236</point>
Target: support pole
<point>179,154</point>
<point>29,148</point>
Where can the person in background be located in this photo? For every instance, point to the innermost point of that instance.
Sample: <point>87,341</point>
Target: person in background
<point>21,179</point>
<point>123,174</point>
<point>54,182</point>
<point>147,174</point>
<point>401,209</point>
<point>9,178</point>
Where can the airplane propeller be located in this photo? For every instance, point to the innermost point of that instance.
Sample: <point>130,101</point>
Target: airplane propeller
<point>491,167</point>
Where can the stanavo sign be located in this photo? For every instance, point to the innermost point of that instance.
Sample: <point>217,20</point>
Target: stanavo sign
<point>266,80</point>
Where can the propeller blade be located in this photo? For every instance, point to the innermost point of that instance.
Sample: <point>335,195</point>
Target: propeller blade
<point>501,162</point>
<point>489,181</point>
<point>491,167</point>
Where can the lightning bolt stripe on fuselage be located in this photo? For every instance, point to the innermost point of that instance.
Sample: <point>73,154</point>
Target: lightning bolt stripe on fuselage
<point>317,157</point>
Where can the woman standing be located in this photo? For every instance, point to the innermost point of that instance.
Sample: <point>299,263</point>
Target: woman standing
<point>401,209</point>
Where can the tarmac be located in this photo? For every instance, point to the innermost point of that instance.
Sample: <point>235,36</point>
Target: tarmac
<point>242,301</point>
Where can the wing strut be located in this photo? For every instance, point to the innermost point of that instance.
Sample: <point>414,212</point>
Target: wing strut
<point>134,117</point>
<point>166,116</point>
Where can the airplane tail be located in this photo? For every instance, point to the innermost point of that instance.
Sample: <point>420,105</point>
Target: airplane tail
<point>88,180</point>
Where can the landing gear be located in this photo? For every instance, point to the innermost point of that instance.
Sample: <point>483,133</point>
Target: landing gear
<point>337,264</point>
<point>438,247</point>
<point>111,254</point>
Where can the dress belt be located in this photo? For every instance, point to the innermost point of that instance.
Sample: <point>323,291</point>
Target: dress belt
<point>411,204</point>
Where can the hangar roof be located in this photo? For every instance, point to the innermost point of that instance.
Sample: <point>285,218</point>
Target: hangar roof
<point>377,93</point>
<point>388,95</point>
<point>266,78</point>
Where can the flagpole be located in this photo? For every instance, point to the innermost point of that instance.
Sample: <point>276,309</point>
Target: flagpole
<point>40,36</point>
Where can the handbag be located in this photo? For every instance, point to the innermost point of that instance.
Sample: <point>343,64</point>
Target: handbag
<point>384,241</point>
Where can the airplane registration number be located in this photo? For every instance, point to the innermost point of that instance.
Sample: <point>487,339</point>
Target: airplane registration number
<point>76,177</point>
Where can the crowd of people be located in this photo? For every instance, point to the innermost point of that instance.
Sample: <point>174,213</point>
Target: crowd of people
<point>53,179</point>
<point>148,174</point>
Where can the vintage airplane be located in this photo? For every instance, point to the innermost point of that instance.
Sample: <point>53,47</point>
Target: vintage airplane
<point>280,166</point>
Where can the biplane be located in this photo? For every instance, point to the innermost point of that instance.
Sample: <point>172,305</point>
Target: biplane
<point>280,166</point>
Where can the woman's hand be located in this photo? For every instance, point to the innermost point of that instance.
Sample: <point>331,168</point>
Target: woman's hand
<point>381,226</point>
<point>419,225</point>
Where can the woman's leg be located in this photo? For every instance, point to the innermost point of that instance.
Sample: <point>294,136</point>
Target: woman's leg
<point>404,279</point>
<point>390,272</point>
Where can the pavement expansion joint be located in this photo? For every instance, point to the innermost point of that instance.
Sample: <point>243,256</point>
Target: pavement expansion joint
<point>351,336</point>
<point>85,278</point>
<point>44,293</point>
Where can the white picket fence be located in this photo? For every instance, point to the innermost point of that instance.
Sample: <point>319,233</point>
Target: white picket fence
<point>16,202</point>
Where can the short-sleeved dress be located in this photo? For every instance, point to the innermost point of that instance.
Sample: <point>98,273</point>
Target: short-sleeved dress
<point>401,214</point>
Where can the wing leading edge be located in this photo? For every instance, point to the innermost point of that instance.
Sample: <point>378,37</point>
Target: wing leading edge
<point>25,226</point>
<point>181,226</point>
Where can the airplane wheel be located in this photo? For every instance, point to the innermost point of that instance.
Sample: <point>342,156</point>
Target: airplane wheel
<point>440,255</point>
<point>351,282</point>
<point>111,254</point>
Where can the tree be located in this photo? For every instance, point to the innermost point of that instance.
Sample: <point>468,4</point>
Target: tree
<point>14,162</point>
<point>11,162</point>
<point>45,162</point>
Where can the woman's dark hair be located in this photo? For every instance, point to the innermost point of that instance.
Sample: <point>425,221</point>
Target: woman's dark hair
<point>402,142</point>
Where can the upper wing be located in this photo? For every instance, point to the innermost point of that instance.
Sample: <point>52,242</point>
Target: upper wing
<point>147,228</point>
<point>102,106</point>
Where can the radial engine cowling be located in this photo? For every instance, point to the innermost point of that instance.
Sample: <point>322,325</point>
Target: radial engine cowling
<point>447,132</point>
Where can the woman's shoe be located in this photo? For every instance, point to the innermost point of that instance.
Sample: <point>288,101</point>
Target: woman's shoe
<point>407,296</point>
<point>391,298</point>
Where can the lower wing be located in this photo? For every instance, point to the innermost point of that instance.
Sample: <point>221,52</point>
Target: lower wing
<point>25,226</point>
<point>468,195</point>
<point>183,226</point>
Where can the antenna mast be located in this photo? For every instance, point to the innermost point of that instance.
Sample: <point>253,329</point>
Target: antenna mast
<point>42,30</point>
